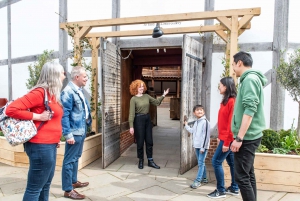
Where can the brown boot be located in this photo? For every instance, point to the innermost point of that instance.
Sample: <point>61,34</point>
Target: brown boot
<point>74,195</point>
<point>78,184</point>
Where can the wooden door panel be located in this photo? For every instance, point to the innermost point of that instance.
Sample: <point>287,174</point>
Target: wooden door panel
<point>111,102</point>
<point>192,54</point>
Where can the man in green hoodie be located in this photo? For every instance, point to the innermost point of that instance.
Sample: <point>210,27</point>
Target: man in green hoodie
<point>248,123</point>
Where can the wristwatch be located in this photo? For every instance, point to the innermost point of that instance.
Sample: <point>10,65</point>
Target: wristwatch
<point>238,139</point>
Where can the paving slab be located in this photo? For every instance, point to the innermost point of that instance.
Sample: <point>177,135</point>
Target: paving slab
<point>120,175</point>
<point>13,188</point>
<point>169,172</point>
<point>152,194</point>
<point>108,192</point>
<point>137,182</point>
<point>13,197</point>
<point>291,197</point>
<point>102,180</point>
<point>178,185</point>
<point>135,169</point>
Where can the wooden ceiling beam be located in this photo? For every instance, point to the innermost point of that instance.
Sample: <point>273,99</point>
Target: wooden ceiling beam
<point>167,31</point>
<point>158,61</point>
<point>165,18</point>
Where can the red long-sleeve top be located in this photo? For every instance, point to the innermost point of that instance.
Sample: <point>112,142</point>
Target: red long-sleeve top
<point>224,122</point>
<point>33,102</point>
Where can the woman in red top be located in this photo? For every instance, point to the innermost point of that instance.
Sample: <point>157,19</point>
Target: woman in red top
<point>41,149</point>
<point>228,90</point>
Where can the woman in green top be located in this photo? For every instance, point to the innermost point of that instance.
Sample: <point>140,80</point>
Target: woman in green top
<point>140,121</point>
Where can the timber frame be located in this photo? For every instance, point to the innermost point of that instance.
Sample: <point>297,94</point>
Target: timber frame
<point>232,24</point>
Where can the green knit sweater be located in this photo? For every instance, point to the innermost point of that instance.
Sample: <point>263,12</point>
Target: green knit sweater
<point>141,105</point>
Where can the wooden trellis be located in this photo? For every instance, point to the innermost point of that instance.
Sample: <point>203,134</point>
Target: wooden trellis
<point>232,24</point>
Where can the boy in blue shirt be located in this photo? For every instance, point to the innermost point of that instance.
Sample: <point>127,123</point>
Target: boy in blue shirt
<point>201,140</point>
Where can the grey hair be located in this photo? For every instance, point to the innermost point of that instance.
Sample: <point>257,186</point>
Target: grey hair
<point>50,79</point>
<point>76,71</point>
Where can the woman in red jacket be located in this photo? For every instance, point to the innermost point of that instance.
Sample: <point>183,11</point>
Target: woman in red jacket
<point>41,149</point>
<point>228,90</point>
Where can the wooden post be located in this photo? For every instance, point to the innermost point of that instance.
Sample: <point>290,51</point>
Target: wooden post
<point>9,52</point>
<point>280,44</point>
<point>152,79</point>
<point>77,56</point>
<point>63,39</point>
<point>95,44</point>
<point>115,14</point>
<point>178,83</point>
<point>207,54</point>
<point>233,43</point>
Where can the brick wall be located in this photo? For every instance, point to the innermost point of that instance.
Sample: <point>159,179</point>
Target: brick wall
<point>126,139</point>
<point>211,151</point>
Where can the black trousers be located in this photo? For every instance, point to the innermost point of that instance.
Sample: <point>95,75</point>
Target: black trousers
<point>244,169</point>
<point>143,133</point>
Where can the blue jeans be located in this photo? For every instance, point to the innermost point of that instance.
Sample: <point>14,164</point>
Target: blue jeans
<point>217,161</point>
<point>201,164</point>
<point>70,164</point>
<point>42,160</point>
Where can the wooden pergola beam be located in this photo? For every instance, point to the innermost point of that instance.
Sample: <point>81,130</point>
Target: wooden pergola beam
<point>245,20</point>
<point>165,18</point>
<point>177,30</point>
<point>222,35</point>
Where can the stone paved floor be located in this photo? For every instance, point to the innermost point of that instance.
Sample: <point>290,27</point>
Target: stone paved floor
<point>123,181</point>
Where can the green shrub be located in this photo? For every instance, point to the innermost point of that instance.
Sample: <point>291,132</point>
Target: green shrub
<point>271,139</point>
<point>262,149</point>
<point>280,151</point>
<point>283,133</point>
<point>35,69</point>
<point>1,133</point>
<point>291,141</point>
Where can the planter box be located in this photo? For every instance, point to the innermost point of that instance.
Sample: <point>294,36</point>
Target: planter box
<point>274,172</point>
<point>15,156</point>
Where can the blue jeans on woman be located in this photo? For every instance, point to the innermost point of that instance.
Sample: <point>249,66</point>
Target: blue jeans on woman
<point>217,160</point>
<point>201,164</point>
<point>42,160</point>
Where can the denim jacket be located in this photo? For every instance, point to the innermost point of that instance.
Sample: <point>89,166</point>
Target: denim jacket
<point>74,118</point>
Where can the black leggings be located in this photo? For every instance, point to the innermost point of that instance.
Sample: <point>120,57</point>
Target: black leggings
<point>143,132</point>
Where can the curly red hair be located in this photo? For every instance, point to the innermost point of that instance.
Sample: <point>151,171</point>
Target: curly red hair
<point>135,85</point>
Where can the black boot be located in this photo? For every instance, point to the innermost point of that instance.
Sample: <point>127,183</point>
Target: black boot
<point>152,164</point>
<point>141,164</point>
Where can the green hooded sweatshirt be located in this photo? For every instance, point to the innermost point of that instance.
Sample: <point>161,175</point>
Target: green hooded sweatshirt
<point>250,101</point>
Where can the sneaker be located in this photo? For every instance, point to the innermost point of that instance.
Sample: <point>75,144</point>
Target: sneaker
<point>230,191</point>
<point>195,184</point>
<point>204,181</point>
<point>217,194</point>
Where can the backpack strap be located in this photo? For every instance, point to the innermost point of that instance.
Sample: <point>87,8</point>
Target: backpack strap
<point>205,133</point>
